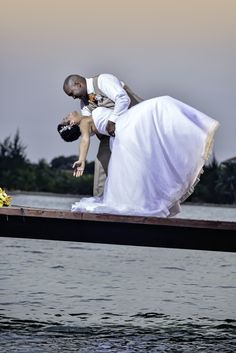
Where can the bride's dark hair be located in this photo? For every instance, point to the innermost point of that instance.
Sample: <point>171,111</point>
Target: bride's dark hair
<point>69,133</point>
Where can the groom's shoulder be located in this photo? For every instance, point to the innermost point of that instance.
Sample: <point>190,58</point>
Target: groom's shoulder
<point>107,76</point>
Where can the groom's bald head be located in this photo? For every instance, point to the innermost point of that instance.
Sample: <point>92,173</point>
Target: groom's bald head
<point>75,86</point>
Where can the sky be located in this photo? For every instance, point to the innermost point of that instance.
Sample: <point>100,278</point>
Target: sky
<point>185,49</point>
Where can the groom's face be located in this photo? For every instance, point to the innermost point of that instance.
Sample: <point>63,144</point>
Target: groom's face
<point>77,90</point>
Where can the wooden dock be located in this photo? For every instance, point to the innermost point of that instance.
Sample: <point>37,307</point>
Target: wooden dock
<point>36,223</point>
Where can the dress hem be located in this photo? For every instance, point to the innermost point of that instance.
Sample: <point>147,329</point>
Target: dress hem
<point>206,154</point>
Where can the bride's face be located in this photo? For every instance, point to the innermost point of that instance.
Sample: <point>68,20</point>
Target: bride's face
<point>72,118</point>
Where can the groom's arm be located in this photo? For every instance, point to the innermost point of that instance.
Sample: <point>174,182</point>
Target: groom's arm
<point>113,89</point>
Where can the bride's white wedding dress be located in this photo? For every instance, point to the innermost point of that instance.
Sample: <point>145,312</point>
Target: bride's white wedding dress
<point>157,156</point>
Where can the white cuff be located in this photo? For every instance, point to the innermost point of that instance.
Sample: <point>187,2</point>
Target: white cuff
<point>113,118</point>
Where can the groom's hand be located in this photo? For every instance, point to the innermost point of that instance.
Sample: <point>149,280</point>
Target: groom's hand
<point>111,128</point>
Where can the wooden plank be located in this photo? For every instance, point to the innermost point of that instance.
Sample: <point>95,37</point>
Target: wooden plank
<point>65,214</point>
<point>117,229</point>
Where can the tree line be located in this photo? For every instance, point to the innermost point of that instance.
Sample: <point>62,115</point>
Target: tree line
<point>217,184</point>
<point>18,173</point>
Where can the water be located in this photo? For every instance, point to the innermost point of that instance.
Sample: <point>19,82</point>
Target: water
<point>85,298</point>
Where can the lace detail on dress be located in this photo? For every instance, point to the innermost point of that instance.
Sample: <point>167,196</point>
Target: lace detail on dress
<point>207,153</point>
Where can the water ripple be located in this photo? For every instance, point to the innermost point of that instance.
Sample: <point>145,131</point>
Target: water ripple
<point>174,336</point>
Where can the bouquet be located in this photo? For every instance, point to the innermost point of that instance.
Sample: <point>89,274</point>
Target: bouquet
<point>5,200</point>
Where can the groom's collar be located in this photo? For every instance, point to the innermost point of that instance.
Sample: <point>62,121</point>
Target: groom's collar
<point>90,88</point>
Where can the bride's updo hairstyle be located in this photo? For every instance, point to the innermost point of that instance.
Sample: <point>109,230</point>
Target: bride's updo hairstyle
<point>69,133</point>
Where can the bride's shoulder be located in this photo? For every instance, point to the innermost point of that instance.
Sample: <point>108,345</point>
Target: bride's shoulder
<point>86,120</point>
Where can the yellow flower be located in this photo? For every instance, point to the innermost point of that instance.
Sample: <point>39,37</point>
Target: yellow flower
<point>5,200</point>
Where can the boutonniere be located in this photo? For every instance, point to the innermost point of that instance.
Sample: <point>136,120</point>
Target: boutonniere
<point>98,97</point>
<point>5,200</point>
<point>94,98</point>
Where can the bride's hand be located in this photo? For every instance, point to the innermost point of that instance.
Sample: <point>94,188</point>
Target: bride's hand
<point>78,167</point>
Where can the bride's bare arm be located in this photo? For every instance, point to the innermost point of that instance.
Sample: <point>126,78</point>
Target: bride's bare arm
<point>85,129</point>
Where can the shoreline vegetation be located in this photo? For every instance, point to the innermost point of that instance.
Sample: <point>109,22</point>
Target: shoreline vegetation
<point>216,187</point>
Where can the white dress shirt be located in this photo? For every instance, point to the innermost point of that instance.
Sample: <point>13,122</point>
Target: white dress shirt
<point>113,89</point>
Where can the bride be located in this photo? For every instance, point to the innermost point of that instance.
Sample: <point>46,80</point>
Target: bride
<point>158,152</point>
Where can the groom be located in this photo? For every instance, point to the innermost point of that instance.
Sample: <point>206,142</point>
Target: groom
<point>104,90</point>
